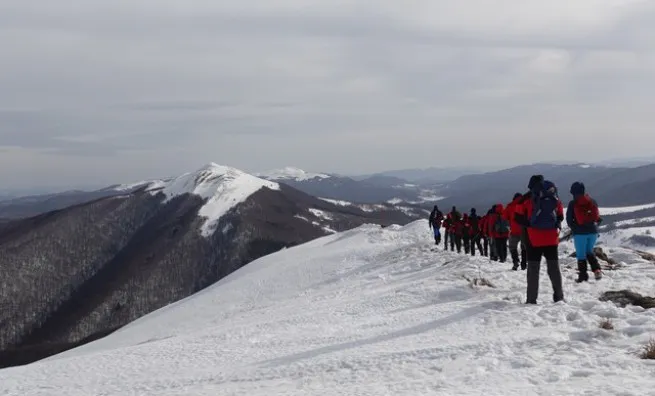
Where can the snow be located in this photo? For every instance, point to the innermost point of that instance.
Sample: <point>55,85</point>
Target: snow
<point>290,173</point>
<point>395,201</point>
<point>585,166</point>
<point>132,186</point>
<point>370,311</point>
<point>625,209</point>
<point>636,221</point>
<point>223,187</point>
<point>321,214</point>
<point>621,237</point>
<point>336,202</point>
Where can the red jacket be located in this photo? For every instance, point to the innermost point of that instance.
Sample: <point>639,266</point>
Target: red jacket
<point>457,227</point>
<point>484,230</point>
<point>510,210</point>
<point>492,221</point>
<point>541,238</point>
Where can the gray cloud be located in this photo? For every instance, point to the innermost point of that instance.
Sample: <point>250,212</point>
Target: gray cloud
<point>127,90</point>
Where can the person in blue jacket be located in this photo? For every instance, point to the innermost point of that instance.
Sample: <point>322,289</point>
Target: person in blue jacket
<point>583,218</point>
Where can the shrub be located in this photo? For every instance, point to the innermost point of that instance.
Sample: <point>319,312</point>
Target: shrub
<point>649,350</point>
<point>479,282</point>
<point>606,324</point>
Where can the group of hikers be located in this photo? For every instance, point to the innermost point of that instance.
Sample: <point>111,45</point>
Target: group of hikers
<point>531,221</point>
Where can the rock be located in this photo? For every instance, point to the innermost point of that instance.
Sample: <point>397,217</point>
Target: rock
<point>598,251</point>
<point>646,256</point>
<point>627,297</point>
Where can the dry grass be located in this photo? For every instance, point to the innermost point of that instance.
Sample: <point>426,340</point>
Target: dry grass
<point>606,324</point>
<point>649,350</point>
<point>475,282</point>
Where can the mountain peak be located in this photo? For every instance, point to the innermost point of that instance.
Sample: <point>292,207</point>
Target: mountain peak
<point>222,186</point>
<point>292,173</point>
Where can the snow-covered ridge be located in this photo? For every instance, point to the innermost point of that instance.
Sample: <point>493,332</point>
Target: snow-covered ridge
<point>291,173</point>
<point>370,311</point>
<point>626,209</point>
<point>223,187</point>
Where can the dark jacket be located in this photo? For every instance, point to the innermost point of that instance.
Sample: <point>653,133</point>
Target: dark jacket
<point>576,229</point>
<point>436,217</point>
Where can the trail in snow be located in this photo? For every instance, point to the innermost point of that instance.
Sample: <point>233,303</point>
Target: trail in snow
<point>369,311</point>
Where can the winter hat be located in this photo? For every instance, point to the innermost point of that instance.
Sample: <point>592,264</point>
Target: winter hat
<point>534,180</point>
<point>473,212</point>
<point>436,207</point>
<point>577,188</point>
<point>517,195</point>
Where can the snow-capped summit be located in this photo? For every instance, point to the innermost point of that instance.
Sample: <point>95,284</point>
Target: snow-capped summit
<point>222,186</point>
<point>291,173</point>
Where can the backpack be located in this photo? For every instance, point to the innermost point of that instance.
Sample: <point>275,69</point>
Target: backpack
<point>502,225</point>
<point>586,210</point>
<point>544,207</point>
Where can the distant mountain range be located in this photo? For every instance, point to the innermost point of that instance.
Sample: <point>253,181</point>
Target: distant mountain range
<point>428,175</point>
<point>79,272</point>
<point>611,186</point>
<point>372,189</point>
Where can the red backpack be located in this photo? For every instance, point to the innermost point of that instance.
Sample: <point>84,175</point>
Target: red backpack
<point>586,210</point>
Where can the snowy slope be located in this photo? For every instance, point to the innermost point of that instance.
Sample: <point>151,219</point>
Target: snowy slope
<point>369,311</point>
<point>291,173</point>
<point>223,187</point>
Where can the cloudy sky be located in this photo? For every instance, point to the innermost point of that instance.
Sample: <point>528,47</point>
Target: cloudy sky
<point>99,91</point>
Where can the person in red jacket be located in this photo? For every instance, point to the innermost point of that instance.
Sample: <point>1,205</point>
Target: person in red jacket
<point>466,233</point>
<point>489,226</point>
<point>457,228</point>
<point>474,220</point>
<point>515,234</point>
<point>542,215</point>
<point>499,230</point>
<point>446,225</point>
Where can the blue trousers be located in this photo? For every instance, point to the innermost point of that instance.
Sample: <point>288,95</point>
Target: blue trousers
<point>584,245</point>
<point>437,232</point>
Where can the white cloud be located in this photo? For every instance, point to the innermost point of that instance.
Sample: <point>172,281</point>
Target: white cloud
<point>262,84</point>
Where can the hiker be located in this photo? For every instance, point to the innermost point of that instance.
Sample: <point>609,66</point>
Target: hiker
<point>446,224</point>
<point>515,235</point>
<point>484,231</point>
<point>476,236</point>
<point>525,239</point>
<point>500,230</point>
<point>466,233</point>
<point>456,231</point>
<point>493,254</point>
<point>582,216</point>
<point>435,220</point>
<point>542,215</point>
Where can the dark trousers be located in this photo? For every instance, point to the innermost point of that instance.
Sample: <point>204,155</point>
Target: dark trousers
<point>447,237</point>
<point>477,240</point>
<point>500,245</point>
<point>493,254</point>
<point>517,258</point>
<point>466,239</point>
<point>456,241</point>
<point>550,253</point>
<point>485,242</point>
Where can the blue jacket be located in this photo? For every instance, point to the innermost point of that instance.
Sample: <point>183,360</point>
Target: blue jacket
<point>576,229</point>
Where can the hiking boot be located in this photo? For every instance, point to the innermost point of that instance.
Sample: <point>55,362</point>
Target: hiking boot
<point>598,274</point>
<point>582,272</point>
<point>582,277</point>
<point>515,267</point>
